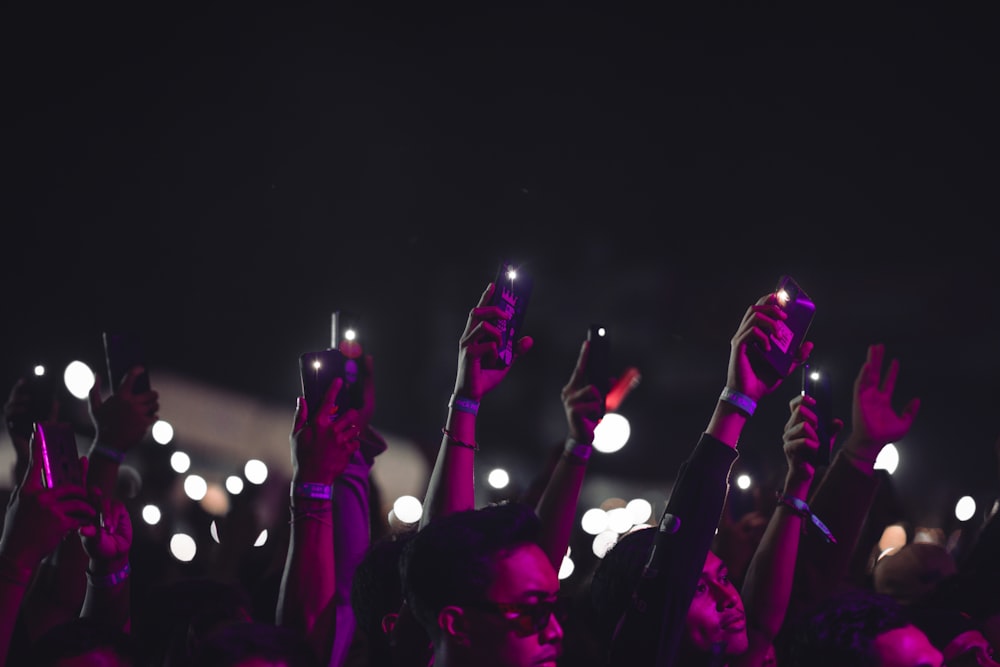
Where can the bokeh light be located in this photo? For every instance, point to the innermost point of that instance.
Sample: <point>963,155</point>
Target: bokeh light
<point>78,378</point>
<point>611,433</point>
<point>255,471</point>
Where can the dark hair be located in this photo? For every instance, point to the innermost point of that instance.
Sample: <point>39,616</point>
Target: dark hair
<point>80,636</point>
<point>232,644</point>
<point>841,629</point>
<point>377,589</point>
<point>450,560</point>
<point>615,578</point>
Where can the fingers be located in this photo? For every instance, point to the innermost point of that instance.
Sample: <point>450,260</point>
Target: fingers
<point>522,346</point>
<point>889,381</point>
<point>581,366</point>
<point>484,298</point>
<point>329,407</point>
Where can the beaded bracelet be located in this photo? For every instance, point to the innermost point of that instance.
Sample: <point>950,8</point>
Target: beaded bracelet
<point>452,440</point>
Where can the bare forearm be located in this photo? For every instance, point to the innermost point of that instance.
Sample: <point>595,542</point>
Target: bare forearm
<point>557,506</point>
<point>451,487</point>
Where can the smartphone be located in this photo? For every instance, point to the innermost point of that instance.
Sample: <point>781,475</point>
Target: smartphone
<point>512,292</point>
<point>346,337</point>
<point>816,383</point>
<point>40,391</point>
<point>599,361</point>
<point>791,332</point>
<point>123,351</point>
<point>318,370</point>
<point>60,457</point>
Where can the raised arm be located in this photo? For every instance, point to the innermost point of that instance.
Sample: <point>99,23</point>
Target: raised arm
<point>768,584</point>
<point>847,490</point>
<point>107,543</point>
<point>451,486</point>
<point>651,630</point>
<point>583,405</point>
<point>322,445</point>
<point>37,520</point>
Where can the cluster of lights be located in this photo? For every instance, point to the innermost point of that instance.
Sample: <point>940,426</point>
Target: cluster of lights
<point>613,519</point>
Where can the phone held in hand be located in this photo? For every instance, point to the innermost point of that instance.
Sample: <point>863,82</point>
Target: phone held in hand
<point>346,337</point>
<point>123,351</point>
<point>40,389</point>
<point>816,383</point>
<point>791,332</point>
<point>599,360</point>
<point>512,291</point>
<point>60,456</point>
<point>318,370</point>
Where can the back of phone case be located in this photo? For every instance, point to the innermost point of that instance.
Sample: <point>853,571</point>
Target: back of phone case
<point>347,337</point>
<point>60,457</point>
<point>41,392</point>
<point>122,352</point>
<point>512,293</point>
<point>599,359</point>
<point>791,332</point>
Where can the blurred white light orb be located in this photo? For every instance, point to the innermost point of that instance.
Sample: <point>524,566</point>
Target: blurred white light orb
<point>408,509</point>
<point>234,484</point>
<point>498,478</point>
<point>39,370</point>
<point>566,569</point>
<point>965,508</point>
<point>78,378</point>
<point>640,510</point>
<point>182,547</point>
<point>151,514</point>
<point>743,481</point>
<point>261,539</point>
<point>604,541</point>
<point>180,462</point>
<point>887,459</point>
<point>163,432</point>
<point>195,487</point>
<point>612,433</point>
<point>255,471</point>
<point>619,520</point>
<point>594,521</point>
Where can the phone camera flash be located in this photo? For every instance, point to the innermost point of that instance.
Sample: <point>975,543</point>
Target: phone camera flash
<point>316,364</point>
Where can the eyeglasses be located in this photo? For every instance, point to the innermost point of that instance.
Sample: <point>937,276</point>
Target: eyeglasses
<point>528,617</point>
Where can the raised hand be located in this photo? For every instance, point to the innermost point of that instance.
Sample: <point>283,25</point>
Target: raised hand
<point>478,350</point>
<point>582,402</point>
<point>322,444</point>
<point>745,373</point>
<point>123,419</point>
<point>109,539</point>
<point>38,518</point>
<point>800,441</point>
<point>875,423</point>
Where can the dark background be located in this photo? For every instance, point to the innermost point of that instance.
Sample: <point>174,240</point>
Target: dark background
<point>222,180</point>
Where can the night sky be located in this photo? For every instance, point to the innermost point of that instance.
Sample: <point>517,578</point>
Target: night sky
<point>222,180</point>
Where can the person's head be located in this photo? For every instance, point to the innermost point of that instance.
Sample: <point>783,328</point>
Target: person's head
<point>715,619</point>
<point>377,594</point>
<point>859,628</point>
<point>913,571</point>
<point>83,641</point>
<point>955,634</point>
<point>482,588</point>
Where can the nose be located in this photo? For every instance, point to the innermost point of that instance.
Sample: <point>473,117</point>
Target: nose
<point>725,595</point>
<point>553,631</point>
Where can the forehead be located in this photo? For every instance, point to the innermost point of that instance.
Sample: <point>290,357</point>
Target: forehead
<point>522,572</point>
<point>906,647</point>
<point>712,564</point>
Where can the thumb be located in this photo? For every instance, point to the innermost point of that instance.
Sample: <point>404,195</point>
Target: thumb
<point>301,414</point>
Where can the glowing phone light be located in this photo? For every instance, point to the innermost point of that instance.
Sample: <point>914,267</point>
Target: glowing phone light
<point>350,334</point>
<point>317,365</point>
<point>782,297</point>
<point>511,274</point>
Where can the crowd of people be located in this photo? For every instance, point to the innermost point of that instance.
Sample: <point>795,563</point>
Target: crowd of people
<point>478,586</point>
